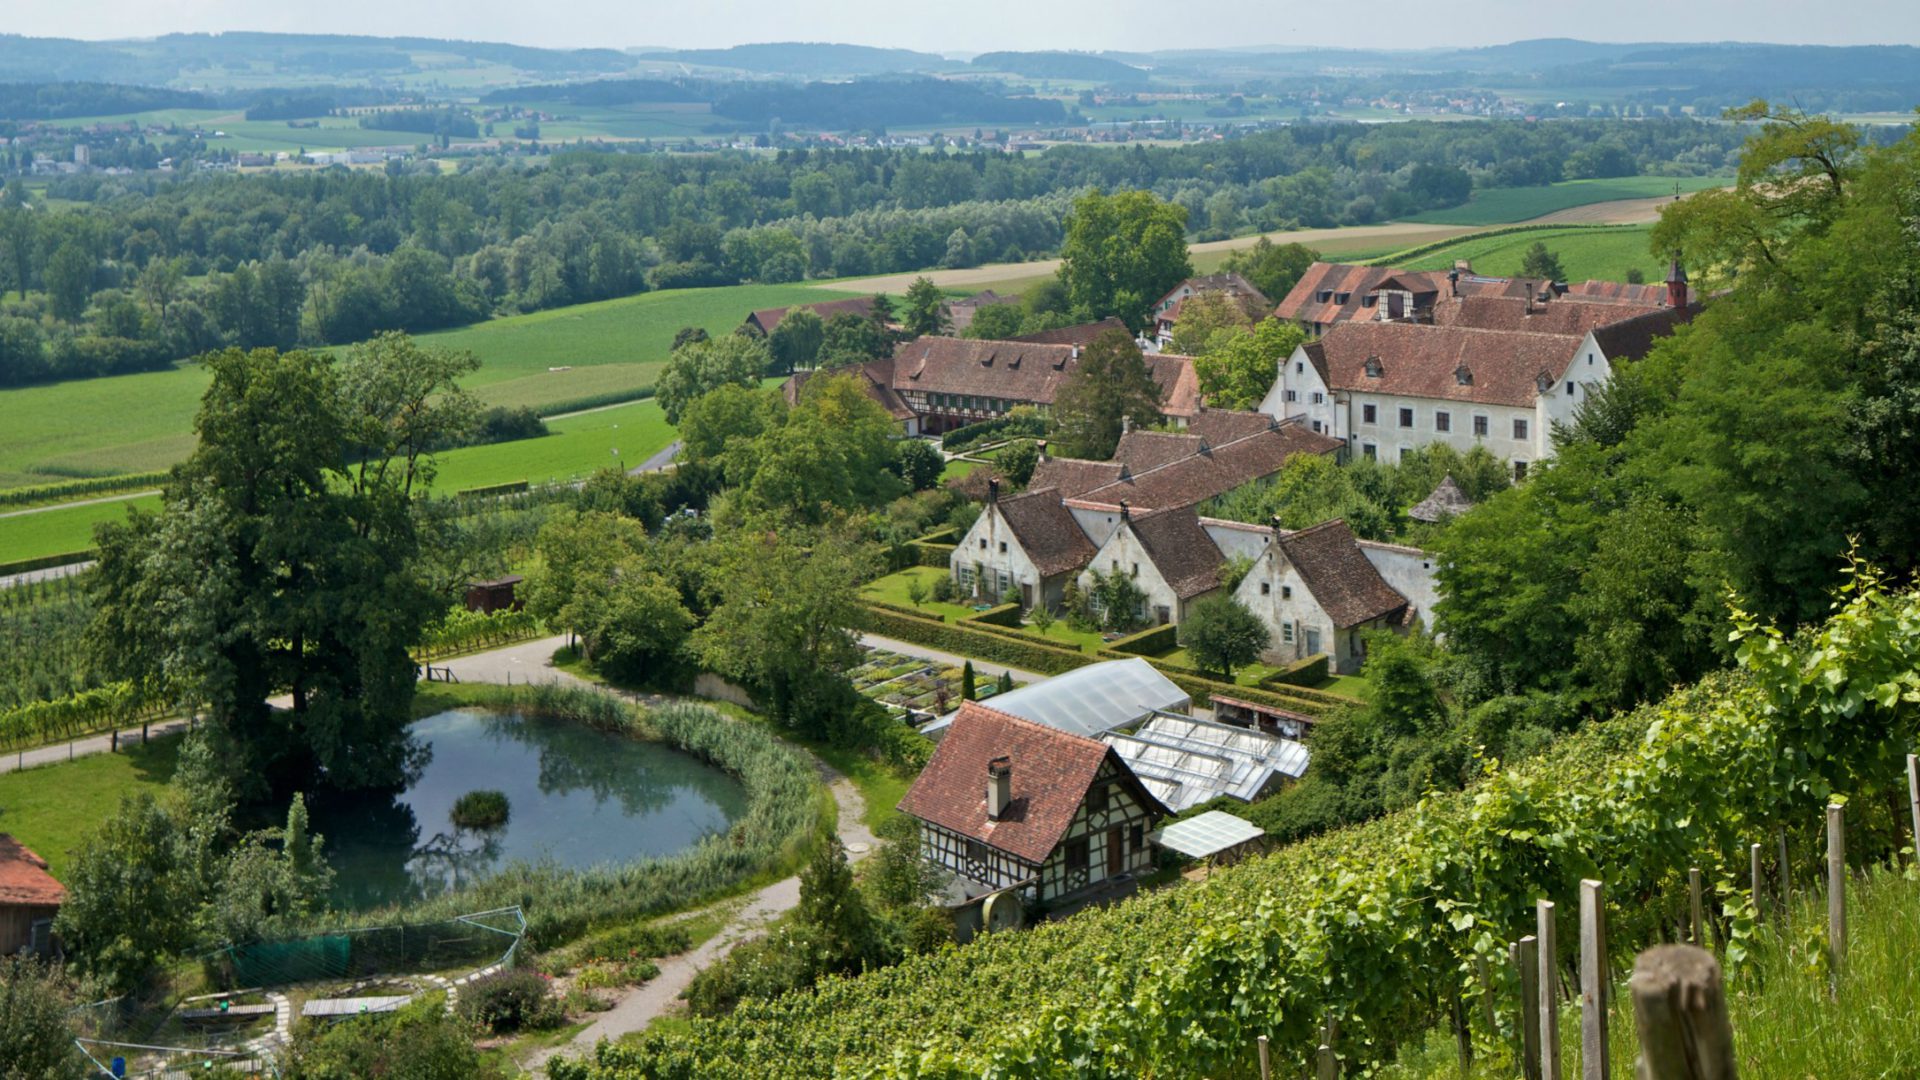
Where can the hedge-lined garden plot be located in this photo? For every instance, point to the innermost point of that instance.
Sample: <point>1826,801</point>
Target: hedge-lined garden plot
<point>913,684</point>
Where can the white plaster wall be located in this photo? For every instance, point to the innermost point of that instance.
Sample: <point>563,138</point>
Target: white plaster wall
<point>1237,537</point>
<point>992,528</point>
<point>1097,524</point>
<point>1298,374</point>
<point>1122,551</point>
<point>1409,571</point>
<point>1279,610</point>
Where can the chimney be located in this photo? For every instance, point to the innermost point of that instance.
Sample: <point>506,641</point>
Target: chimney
<point>1453,281</point>
<point>1042,447</point>
<point>993,489</point>
<point>1123,510</point>
<point>1676,283</point>
<point>1126,424</point>
<point>999,786</point>
<point>1274,522</point>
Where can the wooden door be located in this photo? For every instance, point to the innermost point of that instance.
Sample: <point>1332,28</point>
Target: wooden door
<point>1116,850</point>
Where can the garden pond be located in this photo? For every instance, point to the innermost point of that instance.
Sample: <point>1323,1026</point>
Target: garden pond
<point>576,798</point>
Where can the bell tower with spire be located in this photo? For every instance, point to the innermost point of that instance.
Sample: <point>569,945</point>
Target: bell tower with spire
<point>1676,283</point>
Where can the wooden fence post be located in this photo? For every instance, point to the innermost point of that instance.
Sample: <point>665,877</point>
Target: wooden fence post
<point>1693,903</point>
<point>1462,1034</point>
<point>1913,796</point>
<point>1549,989</point>
<point>1526,955</point>
<point>1328,1065</point>
<point>1753,872</point>
<point>1836,891</point>
<point>1593,981</point>
<point>1786,882</point>
<point>1266,1071</point>
<point>1680,1011</point>
<point>1486,996</point>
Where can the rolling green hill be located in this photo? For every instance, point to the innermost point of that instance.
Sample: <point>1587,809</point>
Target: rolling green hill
<point>1501,206</point>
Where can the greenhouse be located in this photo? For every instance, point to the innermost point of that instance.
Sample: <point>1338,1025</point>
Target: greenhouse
<point>1186,762</point>
<point>1089,701</point>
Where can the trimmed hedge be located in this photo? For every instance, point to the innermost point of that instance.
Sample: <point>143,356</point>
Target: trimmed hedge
<point>1002,615</point>
<point>978,641</point>
<point>962,438</point>
<point>1151,642</point>
<point>926,553</point>
<point>45,562</point>
<point>1202,688</point>
<point>80,488</point>
<point>948,536</point>
<point>902,609</point>
<point>1303,673</point>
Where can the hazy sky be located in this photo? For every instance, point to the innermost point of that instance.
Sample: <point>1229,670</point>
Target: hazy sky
<point>978,25</point>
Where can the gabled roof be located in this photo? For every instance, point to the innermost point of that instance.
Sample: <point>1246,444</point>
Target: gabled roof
<point>1074,477</point>
<point>1447,500</point>
<point>1558,316</point>
<point>1187,558</point>
<point>1219,426</point>
<point>1449,363</point>
<point>24,880</point>
<point>1079,335</point>
<point>1046,531</point>
<point>1050,773</point>
<point>1341,578</point>
<point>1631,339</point>
<point>1652,295</point>
<point>1142,450</point>
<point>1213,469</point>
<point>1010,370</point>
<point>1230,283</point>
<point>875,377</point>
<point>768,318</point>
<point>1179,383</point>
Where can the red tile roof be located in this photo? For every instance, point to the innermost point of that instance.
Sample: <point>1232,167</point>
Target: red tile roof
<point>1500,367</point>
<point>1046,531</point>
<point>1229,283</point>
<point>1080,335</point>
<point>24,880</point>
<point>1654,295</point>
<point>1212,470</point>
<point>1304,303</point>
<point>1339,575</point>
<point>1187,558</point>
<point>1562,315</point>
<point>1074,477</point>
<point>767,318</point>
<point>1051,772</point>
<point>1010,370</point>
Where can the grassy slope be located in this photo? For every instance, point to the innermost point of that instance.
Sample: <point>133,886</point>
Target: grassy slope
<point>135,423</point>
<point>577,446</point>
<point>50,808</point>
<point>1499,206</point>
<point>1605,253</point>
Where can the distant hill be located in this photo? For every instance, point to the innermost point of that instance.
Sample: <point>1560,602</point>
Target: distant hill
<point>871,104</point>
<point>55,101</point>
<point>1061,65</point>
<point>809,59</point>
<point>598,92</point>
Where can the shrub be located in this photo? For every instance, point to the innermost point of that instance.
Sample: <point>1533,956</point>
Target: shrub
<point>513,1000</point>
<point>420,1042</point>
<point>1149,642</point>
<point>1306,672</point>
<point>483,809</point>
<point>1008,647</point>
<point>1006,614</point>
<point>943,590</point>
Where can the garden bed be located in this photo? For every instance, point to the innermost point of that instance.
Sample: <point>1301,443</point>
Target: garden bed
<point>911,684</point>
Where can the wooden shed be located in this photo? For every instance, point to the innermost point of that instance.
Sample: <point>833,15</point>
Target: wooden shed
<point>501,594</point>
<point>29,899</point>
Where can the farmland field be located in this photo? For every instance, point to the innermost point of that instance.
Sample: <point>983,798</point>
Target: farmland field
<point>138,423</point>
<point>1605,253</point>
<point>1504,206</point>
<point>578,445</point>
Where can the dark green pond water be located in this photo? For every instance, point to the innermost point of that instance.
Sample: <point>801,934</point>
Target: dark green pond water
<point>578,798</point>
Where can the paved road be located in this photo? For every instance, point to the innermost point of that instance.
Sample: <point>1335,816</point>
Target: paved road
<point>92,744</point>
<point>80,502</point>
<point>49,574</point>
<point>660,460</point>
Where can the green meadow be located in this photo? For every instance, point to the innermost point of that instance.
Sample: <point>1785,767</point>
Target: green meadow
<point>1605,253</point>
<point>1503,206</point>
<point>577,446</point>
<point>545,360</point>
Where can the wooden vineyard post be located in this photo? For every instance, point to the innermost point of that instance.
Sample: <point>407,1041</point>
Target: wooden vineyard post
<point>1786,883</point>
<point>1549,990</point>
<point>1526,957</point>
<point>1680,1012</point>
<point>1913,797</point>
<point>1593,981</point>
<point>1694,906</point>
<point>1836,891</point>
<point>1463,1033</point>
<point>1266,1071</point>
<point>1486,996</point>
<point>1328,1068</point>
<point>1753,873</point>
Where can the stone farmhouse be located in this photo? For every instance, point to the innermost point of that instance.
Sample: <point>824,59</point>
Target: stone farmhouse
<point>1008,805</point>
<point>1168,555</point>
<point>1317,591</point>
<point>1332,293</point>
<point>1497,371</point>
<point>935,384</point>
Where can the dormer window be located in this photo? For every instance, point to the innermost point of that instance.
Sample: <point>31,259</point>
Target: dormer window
<point>1543,382</point>
<point>1463,375</point>
<point>1368,300</point>
<point>1342,297</point>
<point>1374,370</point>
<point>1324,295</point>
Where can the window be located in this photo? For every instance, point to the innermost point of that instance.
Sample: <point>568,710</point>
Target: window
<point>1589,359</point>
<point>1077,853</point>
<point>1519,428</point>
<point>1342,297</point>
<point>1324,295</point>
<point>1136,569</point>
<point>1569,389</point>
<point>1299,367</point>
<point>1374,368</point>
<point>1406,417</point>
<point>1368,300</point>
<point>1136,838</point>
<point>1097,799</point>
<point>983,543</point>
<point>1369,414</point>
<point>1480,426</point>
<point>1293,395</point>
<point>1442,420</point>
<point>1519,470</point>
<point>1370,450</point>
<point>1286,592</point>
<point>1003,547</point>
<point>1316,427</point>
<point>1266,588</point>
<point>976,851</point>
<point>1319,398</point>
<point>966,577</point>
<point>1286,633</point>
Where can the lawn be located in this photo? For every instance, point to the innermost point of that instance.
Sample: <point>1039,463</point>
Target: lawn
<point>51,808</point>
<point>892,589</point>
<point>144,422</point>
<point>1603,253</point>
<point>1501,206</point>
<point>956,468</point>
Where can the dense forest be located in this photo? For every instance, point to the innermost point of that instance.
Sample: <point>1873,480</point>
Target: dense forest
<point>148,270</point>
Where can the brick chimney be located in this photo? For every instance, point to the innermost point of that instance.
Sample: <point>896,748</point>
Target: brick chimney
<point>999,787</point>
<point>1124,512</point>
<point>1126,424</point>
<point>1676,283</point>
<point>993,489</point>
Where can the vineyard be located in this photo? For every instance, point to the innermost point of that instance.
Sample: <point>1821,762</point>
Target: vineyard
<point>1379,928</point>
<point>463,631</point>
<point>42,647</point>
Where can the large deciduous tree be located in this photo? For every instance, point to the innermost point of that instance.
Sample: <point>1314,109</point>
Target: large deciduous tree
<point>1272,268</point>
<point>797,339</point>
<point>1122,252</point>
<point>1109,385</point>
<point>284,561</point>
<point>1224,635</point>
<point>925,310</point>
<point>1239,366</point>
<point>700,367</point>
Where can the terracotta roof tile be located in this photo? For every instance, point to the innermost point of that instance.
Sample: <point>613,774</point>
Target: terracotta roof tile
<point>1450,363</point>
<point>1556,316</point>
<point>1230,283</point>
<point>1213,471</point>
<point>24,879</point>
<point>1046,531</point>
<point>1010,370</point>
<point>1340,576</point>
<point>1142,450</point>
<point>1074,477</point>
<point>1225,425</point>
<point>1080,335</point>
<point>1633,338</point>
<point>767,318</point>
<point>1187,558</point>
<point>1051,772</point>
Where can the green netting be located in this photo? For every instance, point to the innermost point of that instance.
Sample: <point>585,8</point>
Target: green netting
<point>267,963</point>
<point>446,945</point>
